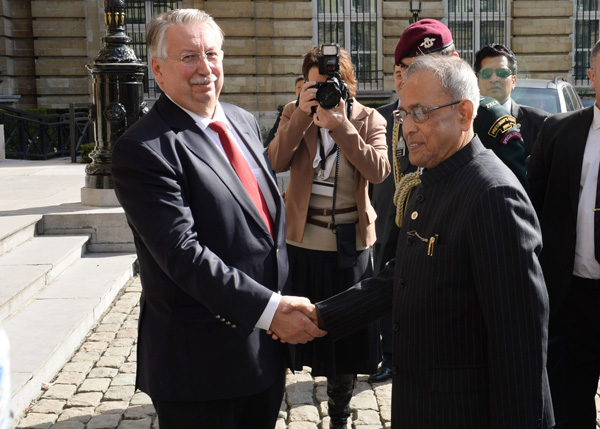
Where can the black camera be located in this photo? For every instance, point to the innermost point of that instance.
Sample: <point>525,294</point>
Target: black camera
<point>330,93</point>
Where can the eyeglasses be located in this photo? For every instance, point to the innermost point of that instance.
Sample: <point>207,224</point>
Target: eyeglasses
<point>420,113</point>
<point>192,60</point>
<point>502,73</point>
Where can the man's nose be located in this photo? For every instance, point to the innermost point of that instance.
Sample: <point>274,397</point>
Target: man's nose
<point>203,66</point>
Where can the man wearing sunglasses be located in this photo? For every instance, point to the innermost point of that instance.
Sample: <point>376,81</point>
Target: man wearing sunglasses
<point>494,125</point>
<point>496,68</point>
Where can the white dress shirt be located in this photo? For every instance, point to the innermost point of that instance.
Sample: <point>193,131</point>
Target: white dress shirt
<point>586,265</point>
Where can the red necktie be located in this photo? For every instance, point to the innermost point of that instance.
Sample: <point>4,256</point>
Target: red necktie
<point>244,172</point>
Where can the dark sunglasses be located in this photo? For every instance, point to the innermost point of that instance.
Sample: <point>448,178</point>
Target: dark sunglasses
<point>502,73</point>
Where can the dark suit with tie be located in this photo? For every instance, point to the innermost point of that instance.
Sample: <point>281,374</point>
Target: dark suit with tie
<point>208,263</point>
<point>470,309</point>
<point>530,120</point>
<point>554,171</point>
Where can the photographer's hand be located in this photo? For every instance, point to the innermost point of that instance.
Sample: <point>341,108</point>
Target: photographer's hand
<point>330,118</point>
<point>307,97</point>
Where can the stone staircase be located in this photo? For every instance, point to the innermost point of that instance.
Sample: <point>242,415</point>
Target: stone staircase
<point>59,272</point>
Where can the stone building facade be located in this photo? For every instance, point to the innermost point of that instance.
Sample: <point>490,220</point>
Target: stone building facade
<point>45,45</point>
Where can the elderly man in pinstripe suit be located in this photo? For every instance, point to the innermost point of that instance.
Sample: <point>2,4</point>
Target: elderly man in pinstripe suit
<point>468,299</point>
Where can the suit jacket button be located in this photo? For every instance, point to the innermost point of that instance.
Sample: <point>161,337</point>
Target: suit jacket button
<point>401,283</point>
<point>395,327</point>
<point>420,197</point>
<point>394,370</point>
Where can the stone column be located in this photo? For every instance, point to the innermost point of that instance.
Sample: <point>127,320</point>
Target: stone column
<point>117,102</point>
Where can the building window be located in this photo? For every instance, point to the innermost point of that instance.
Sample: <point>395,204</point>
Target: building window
<point>355,25</point>
<point>586,36</point>
<point>137,14</point>
<point>477,23</point>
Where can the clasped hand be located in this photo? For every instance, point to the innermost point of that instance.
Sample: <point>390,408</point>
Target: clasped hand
<point>295,321</point>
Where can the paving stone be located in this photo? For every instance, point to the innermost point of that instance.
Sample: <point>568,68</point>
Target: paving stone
<point>119,393</point>
<point>127,333</point>
<point>123,380</point>
<point>298,398</point>
<point>103,372</point>
<point>111,361</point>
<point>95,346</point>
<point>37,421</point>
<point>70,378</point>
<point>302,425</point>
<point>91,399</point>
<point>102,336</point>
<point>60,391</point>
<point>118,351</point>
<point>136,424</point>
<point>69,424</point>
<point>78,367</point>
<point>304,413</point>
<point>122,342</point>
<point>367,417</point>
<point>139,412</point>
<point>140,398</point>
<point>112,407</point>
<point>128,368</point>
<point>82,414</point>
<point>47,406</point>
<point>95,385</point>
<point>104,421</point>
<point>114,317</point>
<point>85,357</point>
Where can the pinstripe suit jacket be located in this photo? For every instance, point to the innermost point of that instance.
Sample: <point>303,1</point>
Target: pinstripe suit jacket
<point>470,319</point>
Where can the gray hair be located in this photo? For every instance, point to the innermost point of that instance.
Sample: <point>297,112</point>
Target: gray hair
<point>157,46</point>
<point>456,76</point>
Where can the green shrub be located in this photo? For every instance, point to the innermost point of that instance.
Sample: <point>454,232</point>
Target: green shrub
<point>86,149</point>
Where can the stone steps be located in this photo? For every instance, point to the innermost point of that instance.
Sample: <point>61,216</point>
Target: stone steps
<point>53,289</point>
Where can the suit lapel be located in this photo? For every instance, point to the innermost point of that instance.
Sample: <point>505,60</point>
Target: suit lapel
<point>202,146</point>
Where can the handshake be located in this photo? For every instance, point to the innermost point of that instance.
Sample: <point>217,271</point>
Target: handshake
<point>296,321</point>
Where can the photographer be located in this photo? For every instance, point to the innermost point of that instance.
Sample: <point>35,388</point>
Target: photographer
<point>333,149</point>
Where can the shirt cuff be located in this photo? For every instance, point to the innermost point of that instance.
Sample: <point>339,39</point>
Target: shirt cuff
<point>264,322</point>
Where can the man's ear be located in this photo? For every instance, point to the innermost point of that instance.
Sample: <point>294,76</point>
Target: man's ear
<point>465,109</point>
<point>156,65</point>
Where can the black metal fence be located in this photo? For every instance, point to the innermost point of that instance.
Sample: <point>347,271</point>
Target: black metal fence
<point>28,135</point>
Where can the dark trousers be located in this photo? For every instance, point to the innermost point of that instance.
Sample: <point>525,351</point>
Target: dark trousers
<point>385,326</point>
<point>257,411</point>
<point>581,332</point>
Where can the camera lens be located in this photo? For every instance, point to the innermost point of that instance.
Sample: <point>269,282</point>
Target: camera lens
<point>328,95</point>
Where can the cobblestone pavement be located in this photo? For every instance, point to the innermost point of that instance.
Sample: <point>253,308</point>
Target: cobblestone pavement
<point>95,389</point>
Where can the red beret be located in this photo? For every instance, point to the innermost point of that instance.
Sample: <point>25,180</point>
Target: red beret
<point>423,37</point>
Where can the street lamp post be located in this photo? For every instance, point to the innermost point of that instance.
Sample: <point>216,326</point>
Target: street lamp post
<point>117,102</point>
<point>415,11</point>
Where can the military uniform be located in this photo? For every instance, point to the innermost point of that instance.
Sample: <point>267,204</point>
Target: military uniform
<point>497,129</point>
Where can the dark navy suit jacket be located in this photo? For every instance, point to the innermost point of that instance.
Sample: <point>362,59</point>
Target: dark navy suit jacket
<point>208,264</point>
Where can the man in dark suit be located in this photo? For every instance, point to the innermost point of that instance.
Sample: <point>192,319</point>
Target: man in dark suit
<point>468,299</point>
<point>208,224</point>
<point>496,68</point>
<point>563,173</point>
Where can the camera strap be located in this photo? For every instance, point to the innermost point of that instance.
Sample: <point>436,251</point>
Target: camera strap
<point>321,144</point>
<point>335,185</point>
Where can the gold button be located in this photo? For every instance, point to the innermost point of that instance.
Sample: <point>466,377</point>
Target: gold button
<point>414,215</point>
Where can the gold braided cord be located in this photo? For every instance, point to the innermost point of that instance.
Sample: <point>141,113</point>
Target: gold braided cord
<point>396,161</point>
<point>402,194</point>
